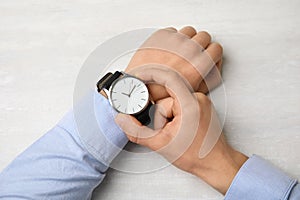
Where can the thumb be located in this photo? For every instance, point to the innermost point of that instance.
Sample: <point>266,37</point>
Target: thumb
<point>163,111</point>
<point>134,131</point>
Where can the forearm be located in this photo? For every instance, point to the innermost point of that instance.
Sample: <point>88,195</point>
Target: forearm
<point>219,168</point>
<point>56,167</point>
<point>60,165</point>
<point>240,177</point>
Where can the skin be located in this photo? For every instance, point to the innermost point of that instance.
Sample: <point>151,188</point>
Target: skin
<point>222,163</point>
<point>218,168</point>
<point>187,36</point>
<point>158,49</point>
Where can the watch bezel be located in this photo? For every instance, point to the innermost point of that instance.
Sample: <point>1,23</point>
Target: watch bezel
<point>119,79</point>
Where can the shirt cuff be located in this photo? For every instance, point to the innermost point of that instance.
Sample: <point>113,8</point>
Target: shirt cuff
<point>259,179</point>
<point>92,119</point>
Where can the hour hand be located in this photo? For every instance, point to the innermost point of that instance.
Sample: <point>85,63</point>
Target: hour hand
<point>125,94</point>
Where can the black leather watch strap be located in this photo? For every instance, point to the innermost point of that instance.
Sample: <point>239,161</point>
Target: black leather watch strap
<point>144,116</point>
<point>107,80</point>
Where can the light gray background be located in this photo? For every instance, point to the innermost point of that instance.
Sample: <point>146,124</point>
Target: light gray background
<point>44,43</point>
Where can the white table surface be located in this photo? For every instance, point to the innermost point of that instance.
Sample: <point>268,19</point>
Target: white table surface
<point>44,43</point>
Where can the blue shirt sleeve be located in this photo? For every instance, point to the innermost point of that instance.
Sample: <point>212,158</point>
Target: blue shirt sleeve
<point>70,160</point>
<point>259,179</point>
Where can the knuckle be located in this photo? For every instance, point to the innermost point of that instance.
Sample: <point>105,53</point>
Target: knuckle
<point>132,139</point>
<point>204,34</point>
<point>190,28</point>
<point>217,46</point>
<point>171,28</point>
<point>161,32</point>
<point>203,99</point>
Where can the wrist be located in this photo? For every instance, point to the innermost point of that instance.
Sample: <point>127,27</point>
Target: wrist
<point>219,168</point>
<point>103,94</point>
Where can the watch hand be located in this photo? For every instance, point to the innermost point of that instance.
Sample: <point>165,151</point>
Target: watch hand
<point>125,94</point>
<point>130,86</point>
<point>131,90</point>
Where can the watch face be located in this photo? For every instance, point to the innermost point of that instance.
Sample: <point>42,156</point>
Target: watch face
<point>129,95</point>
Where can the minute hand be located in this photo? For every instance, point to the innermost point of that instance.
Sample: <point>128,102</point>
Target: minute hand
<point>131,90</point>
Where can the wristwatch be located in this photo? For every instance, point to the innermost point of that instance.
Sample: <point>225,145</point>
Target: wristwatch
<point>127,94</point>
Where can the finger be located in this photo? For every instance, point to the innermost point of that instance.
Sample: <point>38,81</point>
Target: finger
<point>163,111</point>
<point>175,85</point>
<point>220,65</point>
<point>164,106</point>
<point>212,80</point>
<point>209,58</point>
<point>215,51</point>
<point>135,132</point>
<point>202,38</point>
<point>172,29</point>
<point>188,31</point>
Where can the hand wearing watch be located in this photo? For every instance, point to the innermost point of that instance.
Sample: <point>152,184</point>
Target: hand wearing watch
<point>127,94</point>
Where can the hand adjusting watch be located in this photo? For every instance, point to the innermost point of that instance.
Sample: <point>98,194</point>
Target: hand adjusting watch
<point>127,94</point>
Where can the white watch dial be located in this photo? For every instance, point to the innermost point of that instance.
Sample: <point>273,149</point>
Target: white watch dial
<point>129,95</point>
